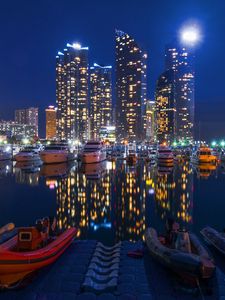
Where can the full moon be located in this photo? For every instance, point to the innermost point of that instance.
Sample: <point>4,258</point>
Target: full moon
<point>190,35</point>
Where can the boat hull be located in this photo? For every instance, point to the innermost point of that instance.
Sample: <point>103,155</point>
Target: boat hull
<point>5,156</point>
<point>14,266</point>
<point>214,238</point>
<point>54,158</point>
<point>204,160</point>
<point>95,157</point>
<point>26,158</point>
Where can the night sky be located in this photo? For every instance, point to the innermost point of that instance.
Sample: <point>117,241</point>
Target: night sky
<point>33,31</point>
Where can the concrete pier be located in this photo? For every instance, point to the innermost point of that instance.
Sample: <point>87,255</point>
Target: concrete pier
<point>138,279</point>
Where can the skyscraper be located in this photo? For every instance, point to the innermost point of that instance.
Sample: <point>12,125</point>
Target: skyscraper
<point>28,116</point>
<point>32,117</point>
<point>181,59</point>
<point>72,92</point>
<point>50,114</point>
<point>130,88</point>
<point>100,98</point>
<point>165,108</point>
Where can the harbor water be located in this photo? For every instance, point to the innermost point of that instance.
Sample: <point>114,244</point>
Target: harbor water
<point>113,201</point>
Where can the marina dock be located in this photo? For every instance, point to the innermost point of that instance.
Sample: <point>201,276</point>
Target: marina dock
<point>89,270</point>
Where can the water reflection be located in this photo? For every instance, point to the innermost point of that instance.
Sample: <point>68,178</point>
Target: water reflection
<point>27,172</point>
<point>205,170</point>
<point>6,168</point>
<point>114,200</point>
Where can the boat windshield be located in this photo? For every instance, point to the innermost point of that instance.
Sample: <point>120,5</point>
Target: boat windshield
<point>165,151</point>
<point>93,143</point>
<point>27,150</point>
<point>90,150</point>
<point>205,153</point>
<point>55,148</point>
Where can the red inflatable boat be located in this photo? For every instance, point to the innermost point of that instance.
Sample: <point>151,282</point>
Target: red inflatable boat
<point>24,254</point>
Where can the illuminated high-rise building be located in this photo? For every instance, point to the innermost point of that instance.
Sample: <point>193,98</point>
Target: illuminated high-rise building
<point>20,116</point>
<point>100,98</point>
<point>181,60</point>
<point>72,92</point>
<point>131,69</point>
<point>50,114</point>
<point>150,121</point>
<point>165,108</point>
<point>27,116</point>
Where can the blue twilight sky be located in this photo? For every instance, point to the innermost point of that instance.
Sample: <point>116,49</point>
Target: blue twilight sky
<point>33,31</point>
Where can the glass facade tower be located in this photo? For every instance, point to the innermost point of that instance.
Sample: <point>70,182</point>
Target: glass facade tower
<point>130,88</point>
<point>181,60</point>
<point>100,98</point>
<point>72,93</point>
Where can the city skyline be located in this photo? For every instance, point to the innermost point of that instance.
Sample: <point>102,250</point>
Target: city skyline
<point>36,83</point>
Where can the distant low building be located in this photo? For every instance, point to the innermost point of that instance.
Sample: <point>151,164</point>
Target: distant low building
<point>19,131</point>
<point>50,114</point>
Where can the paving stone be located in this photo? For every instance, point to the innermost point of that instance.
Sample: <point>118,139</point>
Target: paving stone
<point>106,296</point>
<point>142,288</point>
<point>145,297</point>
<point>47,296</point>
<point>221,289</point>
<point>126,278</point>
<point>68,286</point>
<point>127,297</point>
<point>67,296</point>
<point>86,296</point>
<point>126,288</point>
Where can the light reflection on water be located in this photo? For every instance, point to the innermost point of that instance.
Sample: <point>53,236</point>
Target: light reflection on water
<point>113,201</point>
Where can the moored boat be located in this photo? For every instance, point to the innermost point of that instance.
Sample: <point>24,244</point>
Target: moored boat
<point>165,156</point>
<point>93,152</point>
<point>24,254</point>
<point>190,260</point>
<point>7,232</point>
<point>27,154</point>
<point>132,154</point>
<point>6,228</point>
<point>4,155</point>
<point>203,155</point>
<point>56,153</point>
<point>215,238</point>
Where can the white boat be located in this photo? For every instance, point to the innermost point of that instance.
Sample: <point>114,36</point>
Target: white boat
<point>216,153</point>
<point>27,154</point>
<point>222,157</point>
<point>131,154</point>
<point>56,153</point>
<point>153,154</point>
<point>203,155</point>
<point>165,156</point>
<point>93,152</point>
<point>4,155</point>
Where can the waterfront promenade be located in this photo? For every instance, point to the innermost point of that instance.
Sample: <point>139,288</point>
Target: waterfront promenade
<point>140,279</point>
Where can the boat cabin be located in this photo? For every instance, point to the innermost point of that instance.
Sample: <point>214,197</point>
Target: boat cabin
<point>29,238</point>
